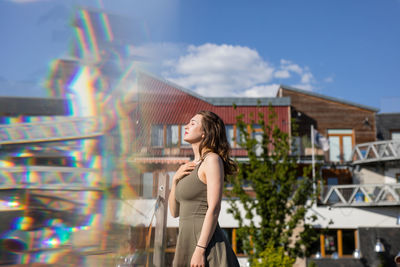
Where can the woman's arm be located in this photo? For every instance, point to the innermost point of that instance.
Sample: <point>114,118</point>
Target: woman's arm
<point>173,204</point>
<point>214,174</point>
<point>183,170</point>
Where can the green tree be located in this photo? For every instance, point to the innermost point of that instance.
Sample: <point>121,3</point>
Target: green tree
<point>273,257</point>
<point>280,199</point>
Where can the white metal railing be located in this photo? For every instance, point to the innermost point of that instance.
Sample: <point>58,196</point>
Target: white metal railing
<point>54,130</point>
<point>361,195</point>
<point>49,178</point>
<point>376,151</point>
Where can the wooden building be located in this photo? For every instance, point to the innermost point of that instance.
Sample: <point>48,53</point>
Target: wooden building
<point>344,123</point>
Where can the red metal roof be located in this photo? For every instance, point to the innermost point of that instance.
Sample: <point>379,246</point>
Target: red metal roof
<point>162,103</point>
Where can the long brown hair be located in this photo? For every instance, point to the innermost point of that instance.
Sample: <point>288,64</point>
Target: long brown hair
<point>215,140</point>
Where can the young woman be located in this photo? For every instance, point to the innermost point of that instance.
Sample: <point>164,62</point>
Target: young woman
<point>196,195</point>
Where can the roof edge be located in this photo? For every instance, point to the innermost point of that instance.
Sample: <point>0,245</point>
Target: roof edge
<point>290,88</point>
<point>185,90</point>
<point>249,101</point>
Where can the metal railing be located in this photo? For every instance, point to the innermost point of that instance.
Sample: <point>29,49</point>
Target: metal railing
<point>50,178</point>
<point>376,151</point>
<point>361,195</point>
<point>54,130</point>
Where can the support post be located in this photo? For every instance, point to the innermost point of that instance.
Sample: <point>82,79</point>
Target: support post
<point>161,220</point>
<point>313,159</point>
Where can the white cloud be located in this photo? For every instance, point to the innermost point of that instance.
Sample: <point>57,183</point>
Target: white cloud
<point>307,78</point>
<point>220,70</point>
<point>269,90</point>
<point>224,70</point>
<point>287,68</point>
<point>290,66</point>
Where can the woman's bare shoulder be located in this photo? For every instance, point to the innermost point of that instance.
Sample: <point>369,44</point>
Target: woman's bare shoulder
<point>212,158</point>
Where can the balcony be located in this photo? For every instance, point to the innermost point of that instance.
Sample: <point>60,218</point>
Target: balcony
<point>54,130</point>
<point>361,195</point>
<point>376,151</point>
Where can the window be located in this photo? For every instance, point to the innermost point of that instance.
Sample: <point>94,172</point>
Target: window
<point>183,142</point>
<point>340,144</point>
<point>233,135</point>
<point>157,135</point>
<point>348,242</point>
<point>340,241</point>
<point>395,135</point>
<point>167,135</point>
<point>330,242</point>
<point>172,135</point>
<point>230,135</point>
<point>257,134</point>
<point>296,145</point>
<point>147,185</point>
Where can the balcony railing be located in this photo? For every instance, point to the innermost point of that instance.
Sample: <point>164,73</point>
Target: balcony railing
<point>55,130</point>
<point>50,178</point>
<point>361,195</point>
<point>376,151</point>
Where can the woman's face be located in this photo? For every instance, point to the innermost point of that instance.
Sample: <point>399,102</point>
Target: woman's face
<point>193,130</point>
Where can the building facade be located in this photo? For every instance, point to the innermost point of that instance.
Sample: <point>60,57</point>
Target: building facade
<point>359,202</point>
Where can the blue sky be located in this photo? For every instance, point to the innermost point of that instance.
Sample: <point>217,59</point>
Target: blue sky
<point>347,49</point>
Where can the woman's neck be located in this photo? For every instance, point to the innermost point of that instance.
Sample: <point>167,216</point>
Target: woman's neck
<point>197,156</point>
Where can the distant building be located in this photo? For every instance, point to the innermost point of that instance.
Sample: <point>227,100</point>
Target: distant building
<point>359,201</point>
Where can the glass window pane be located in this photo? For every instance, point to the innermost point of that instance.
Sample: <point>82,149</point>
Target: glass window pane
<point>238,136</point>
<point>331,242</point>
<point>257,134</point>
<point>334,148</point>
<point>296,145</point>
<point>258,137</point>
<point>349,244</point>
<point>183,142</point>
<point>347,147</point>
<point>157,135</point>
<point>172,135</point>
<point>395,135</point>
<point>229,134</point>
<point>147,185</point>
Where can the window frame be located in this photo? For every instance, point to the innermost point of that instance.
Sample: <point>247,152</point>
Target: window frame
<point>341,136</point>
<point>339,243</point>
<point>165,127</point>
